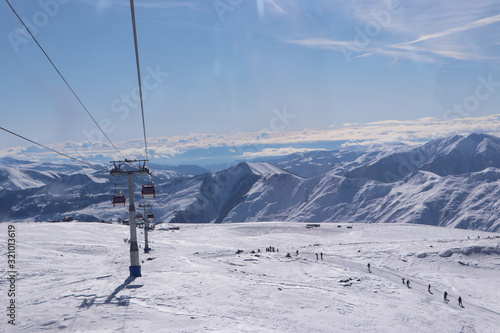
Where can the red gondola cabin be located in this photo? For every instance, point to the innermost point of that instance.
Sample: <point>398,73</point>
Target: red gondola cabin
<point>118,199</point>
<point>148,191</point>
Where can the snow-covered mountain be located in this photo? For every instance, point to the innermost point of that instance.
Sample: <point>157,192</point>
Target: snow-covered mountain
<point>464,192</point>
<point>453,182</point>
<point>341,161</point>
<point>53,191</point>
<point>449,156</point>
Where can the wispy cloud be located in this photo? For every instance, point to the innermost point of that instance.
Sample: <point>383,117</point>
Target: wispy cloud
<point>154,4</point>
<point>279,7</point>
<point>440,51</point>
<point>422,31</point>
<point>444,44</point>
<point>275,6</point>
<point>324,43</point>
<point>472,25</point>
<point>166,4</point>
<point>352,50</point>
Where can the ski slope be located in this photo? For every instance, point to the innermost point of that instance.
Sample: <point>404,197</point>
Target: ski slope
<point>73,277</point>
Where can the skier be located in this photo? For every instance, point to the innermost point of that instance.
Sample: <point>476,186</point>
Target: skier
<point>446,296</point>
<point>429,289</point>
<point>369,268</point>
<point>403,279</point>
<point>408,283</point>
<point>297,252</point>
<point>321,254</point>
<point>317,256</point>
<point>460,301</point>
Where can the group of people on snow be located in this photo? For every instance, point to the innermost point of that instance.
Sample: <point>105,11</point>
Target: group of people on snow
<point>320,255</point>
<point>445,297</point>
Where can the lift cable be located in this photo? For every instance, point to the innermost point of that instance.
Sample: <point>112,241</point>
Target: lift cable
<point>39,144</point>
<point>62,77</point>
<point>132,11</point>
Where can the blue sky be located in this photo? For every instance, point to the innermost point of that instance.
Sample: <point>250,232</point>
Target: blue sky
<point>229,66</point>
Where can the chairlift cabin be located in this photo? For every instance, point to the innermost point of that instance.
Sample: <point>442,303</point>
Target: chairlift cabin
<point>151,216</point>
<point>148,191</point>
<point>118,199</point>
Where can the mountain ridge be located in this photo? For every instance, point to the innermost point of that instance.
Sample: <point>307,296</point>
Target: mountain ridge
<point>452,181</point>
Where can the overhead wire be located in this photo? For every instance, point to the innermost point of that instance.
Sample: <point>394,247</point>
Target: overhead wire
<point>43,146</point>
<point>132,12</point>
<point>66,82</point>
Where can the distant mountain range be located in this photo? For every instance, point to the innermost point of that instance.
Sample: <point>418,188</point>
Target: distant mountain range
<point>452,182</point>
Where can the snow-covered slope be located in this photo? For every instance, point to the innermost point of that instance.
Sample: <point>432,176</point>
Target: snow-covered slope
<point>339,162</point>
<point>23,175</point>
<point>52,191</point>
<point>221,192</point>
<point>73,277</point>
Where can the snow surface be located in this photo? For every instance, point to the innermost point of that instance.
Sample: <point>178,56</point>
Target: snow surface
<point>73,278</point>
<point>263,169</point>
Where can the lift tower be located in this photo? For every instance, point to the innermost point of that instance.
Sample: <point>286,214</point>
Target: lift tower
<point>129,168</point>
<point>147,208</point>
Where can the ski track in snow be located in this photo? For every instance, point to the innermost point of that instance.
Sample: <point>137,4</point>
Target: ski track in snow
<point>73,278</point>
<point>395,277</point>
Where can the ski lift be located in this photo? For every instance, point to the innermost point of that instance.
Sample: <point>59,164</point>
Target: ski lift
<point>118,198</point>
<point>148,191</point>
<point>151,216</point>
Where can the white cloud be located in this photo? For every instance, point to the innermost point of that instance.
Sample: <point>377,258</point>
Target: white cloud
<point>322,43</point>
<point>277,152</point>
<point>275,6</point>
<point>180,146</point>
